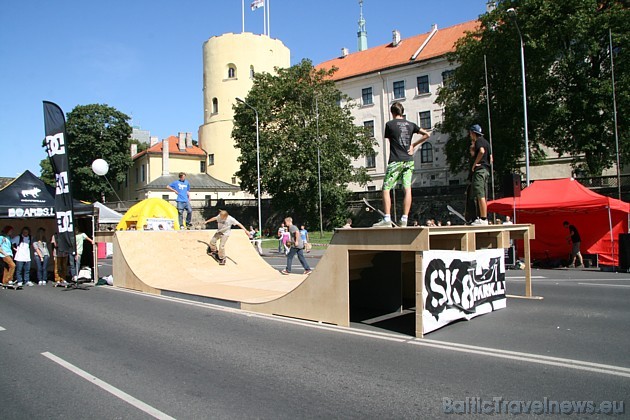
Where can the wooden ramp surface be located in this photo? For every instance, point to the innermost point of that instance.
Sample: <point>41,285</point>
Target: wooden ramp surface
<point>155,261</point>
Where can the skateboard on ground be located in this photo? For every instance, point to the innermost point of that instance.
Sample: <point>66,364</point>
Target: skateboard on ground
<point>379,211</point>
<point>11,286</point>
<point>65,284</point>
<point>456,213</point>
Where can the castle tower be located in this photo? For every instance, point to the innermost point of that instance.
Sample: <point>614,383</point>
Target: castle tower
<point>229,64</point>
<point>362,44</point>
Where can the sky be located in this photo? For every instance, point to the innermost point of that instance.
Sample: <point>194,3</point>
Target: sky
<point>144,57</point>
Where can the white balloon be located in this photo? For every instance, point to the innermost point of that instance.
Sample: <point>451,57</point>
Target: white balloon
<point>100,167</point>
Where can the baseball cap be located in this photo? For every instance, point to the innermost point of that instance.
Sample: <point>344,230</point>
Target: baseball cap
<point>476,129</point>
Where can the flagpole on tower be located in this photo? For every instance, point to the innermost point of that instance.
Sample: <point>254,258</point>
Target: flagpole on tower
<point>264,18</point>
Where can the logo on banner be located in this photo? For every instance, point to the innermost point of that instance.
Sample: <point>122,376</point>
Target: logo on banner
<point>461,286</point>
<point>33,192</point>
<point>62,183</point>
<point>55,145</point>
<point>31,212</point>
<point>64,222</point>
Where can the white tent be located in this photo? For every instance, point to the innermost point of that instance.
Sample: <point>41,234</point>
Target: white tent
<point>107,215</point>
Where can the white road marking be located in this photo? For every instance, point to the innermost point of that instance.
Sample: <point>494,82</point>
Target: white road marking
<point>2,329</point>
<point>109,388</point>
<point>604,284</point>
<point>423,342</point>
<point>523,277</point>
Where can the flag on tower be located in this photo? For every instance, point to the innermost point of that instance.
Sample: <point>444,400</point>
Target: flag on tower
<point>257,3</point>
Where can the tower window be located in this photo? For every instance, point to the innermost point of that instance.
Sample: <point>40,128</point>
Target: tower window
<point>215,105</point>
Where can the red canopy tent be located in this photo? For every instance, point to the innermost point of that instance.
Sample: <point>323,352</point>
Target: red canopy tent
<point>548,203</point>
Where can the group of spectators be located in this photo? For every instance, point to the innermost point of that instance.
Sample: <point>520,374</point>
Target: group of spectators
<point>19,251</point>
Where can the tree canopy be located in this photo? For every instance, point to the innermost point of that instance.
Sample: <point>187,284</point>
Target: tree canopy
<point>299,112</point>
<point>568,79</point>
<point>94,131</point>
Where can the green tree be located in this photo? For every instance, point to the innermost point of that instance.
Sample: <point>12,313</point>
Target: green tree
<point>569,87</point>
<point>294,106</point>
<point>95,131</point>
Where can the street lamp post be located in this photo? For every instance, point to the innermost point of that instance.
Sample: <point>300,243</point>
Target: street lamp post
<point>512,12</point>
<point>260,227</point>
<point>319,171</point>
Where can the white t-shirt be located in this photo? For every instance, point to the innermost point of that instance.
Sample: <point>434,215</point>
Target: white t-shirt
<point>23,252</point>
<point>225,225</point>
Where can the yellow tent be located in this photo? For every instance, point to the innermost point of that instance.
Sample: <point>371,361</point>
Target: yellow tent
<point>152,212</point>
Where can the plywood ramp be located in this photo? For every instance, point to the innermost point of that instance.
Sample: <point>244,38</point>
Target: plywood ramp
<point>176,261</point>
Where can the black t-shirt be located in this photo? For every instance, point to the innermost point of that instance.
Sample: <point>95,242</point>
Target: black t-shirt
<point>485,159</point>
<point>399,132</point>
<point>575,236</point>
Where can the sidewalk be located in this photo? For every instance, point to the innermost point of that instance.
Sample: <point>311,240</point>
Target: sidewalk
<point>273,253</point>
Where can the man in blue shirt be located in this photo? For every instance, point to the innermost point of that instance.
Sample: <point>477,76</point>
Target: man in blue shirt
<point>181,187</point>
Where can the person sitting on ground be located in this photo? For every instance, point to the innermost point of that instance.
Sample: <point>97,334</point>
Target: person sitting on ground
<point>224,227</point>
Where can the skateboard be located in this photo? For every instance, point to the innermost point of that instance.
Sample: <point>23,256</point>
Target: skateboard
<point>64,285</point>
<point>379,211</point>
<point>215,256</point>
<point>11,286</point>
<point>456,213</point>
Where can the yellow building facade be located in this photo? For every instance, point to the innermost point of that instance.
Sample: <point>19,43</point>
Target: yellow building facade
<point>229,64</point>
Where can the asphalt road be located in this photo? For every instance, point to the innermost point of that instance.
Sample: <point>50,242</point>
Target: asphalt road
<point>105,353</point>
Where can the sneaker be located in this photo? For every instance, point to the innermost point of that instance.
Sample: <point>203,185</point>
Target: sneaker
<point>571,266</point>
<point>307,272</point>
<point>402,223</point>
<point>39,283</point>
<point>44,283</point>
<point>382,224</point>
<point>222,262</point>
<point>480,222</point>
<point>30,283</point>
<point>11,283</point>
<point>285,272</point>
<point>19,284</point>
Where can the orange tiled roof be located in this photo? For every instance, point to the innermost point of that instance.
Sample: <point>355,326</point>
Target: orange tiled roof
<point>173,149</point>
<point>385,56</point>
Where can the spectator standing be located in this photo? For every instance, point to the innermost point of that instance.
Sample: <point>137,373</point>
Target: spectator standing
<point>181,187</point>
<point>22,249</point>
<point>575,240</point>
<point>6,253</point>
<point>41,255</point>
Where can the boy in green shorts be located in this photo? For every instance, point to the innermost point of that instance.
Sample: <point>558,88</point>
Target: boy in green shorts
<point>400,166</point>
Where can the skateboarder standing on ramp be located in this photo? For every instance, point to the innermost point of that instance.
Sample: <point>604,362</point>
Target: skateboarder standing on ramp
<point>400,166</point>
<point>224,226</point>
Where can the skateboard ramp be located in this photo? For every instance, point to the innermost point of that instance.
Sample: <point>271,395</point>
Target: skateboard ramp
<point>176,261</point>
<point>362,267</point>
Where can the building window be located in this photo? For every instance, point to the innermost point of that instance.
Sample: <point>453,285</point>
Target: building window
<point>137,174</point>
<point>399,89</point>
<point>369,127</point>
<point>370,160</point>
<point>425,120</point>
<point>202,167</point>
<point>231,71</point>
<point>426,153</point>
<point>215,105</point>
<point>211,159</point>
<point>371,187</point>
<point>423,84</point>
<point>366,94</point>
<point>165,197</point>
<point>234,180</point>
<point>251,72</point>
<point>447,77</point>
<point>143,174</point>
